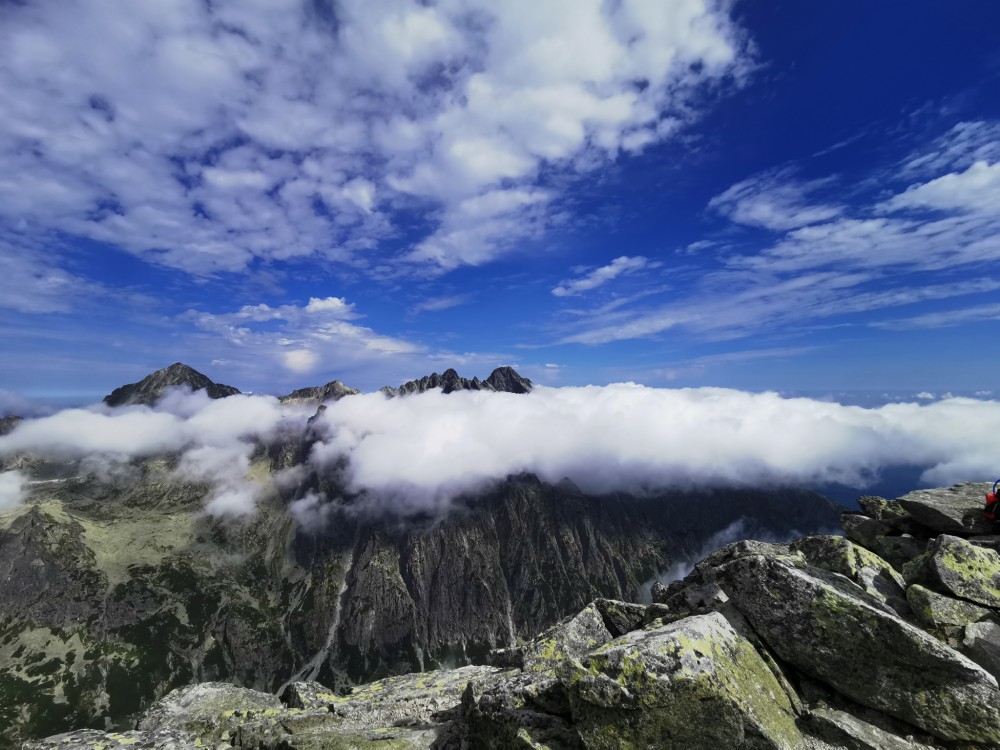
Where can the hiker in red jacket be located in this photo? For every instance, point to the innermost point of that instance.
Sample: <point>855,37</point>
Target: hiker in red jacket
<point>992,510</point>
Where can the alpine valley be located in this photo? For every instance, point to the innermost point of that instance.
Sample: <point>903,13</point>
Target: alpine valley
<point>119,588</point>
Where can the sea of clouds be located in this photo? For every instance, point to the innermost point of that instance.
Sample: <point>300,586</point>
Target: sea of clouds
<point>421,451</point>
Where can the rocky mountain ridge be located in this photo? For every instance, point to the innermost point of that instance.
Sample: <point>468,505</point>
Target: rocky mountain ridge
<point>151,388</point>
<point>817,644</point>
<point>502,379</point>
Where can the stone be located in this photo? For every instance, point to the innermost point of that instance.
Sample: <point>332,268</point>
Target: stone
<point>879,508</point>
<point>934,610</point>
<point>573,636</point>
<point>204,709</point>
<point>843,730</point>
<point>93,739</point>
<point>954,566</point>
<point>865,568</point>
<point>620,617</point>
<point>833,631</point>
<point>958,510</point>
<point>694,684</point>
<point>898,550</point>
<point>981,643</point>
<point>863,529</point>
<point>332,391</point>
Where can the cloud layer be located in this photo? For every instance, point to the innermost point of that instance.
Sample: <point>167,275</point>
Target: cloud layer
<point>420,451</point>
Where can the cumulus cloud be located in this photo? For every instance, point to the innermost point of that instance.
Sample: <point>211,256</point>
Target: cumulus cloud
<point>12,485</point>
<point>214,439</point>
<point>600,276</point>
<point>205,136</point>
<point>425,449</point>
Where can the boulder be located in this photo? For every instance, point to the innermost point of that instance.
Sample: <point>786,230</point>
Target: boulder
<point>863,529</point>
<point>956,567</point>
<point>573,636</point>
<point>833,631</point>
<point>898,550</point>
<point>958,510</point>
<point>981,643</point>
<point>689,685</point>
<point>843,730</point>
<point>868,570</point>
<point>934,610</point>
<point>206,709</point>
<point>93,739</point>
<point>620,617</point>
<point>879,508</point>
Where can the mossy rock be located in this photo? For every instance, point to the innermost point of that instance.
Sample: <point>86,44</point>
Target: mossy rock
<point>956,567</point>
<point>689,685</point>
<point>956,510</point>
<point>898,550</point>
<point>863,529</point>
<point>208,710</point>
<point>934,610</point>
<point>573,636</point>
<point>831,630</point>
<point>842,730</point>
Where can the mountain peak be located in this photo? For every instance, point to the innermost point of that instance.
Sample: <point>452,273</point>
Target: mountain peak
<point>503,379</point>
<point>149,390</point>
<point>332,391</point>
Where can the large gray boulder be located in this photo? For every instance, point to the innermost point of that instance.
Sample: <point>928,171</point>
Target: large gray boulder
<point>957,510</point>
<point>981,643</point>
<point>958,568</point>
<point>833,631</point>
<point>843,730</point>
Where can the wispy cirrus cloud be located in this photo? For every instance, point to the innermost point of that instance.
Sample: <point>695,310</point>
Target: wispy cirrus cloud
<point>602,275</point>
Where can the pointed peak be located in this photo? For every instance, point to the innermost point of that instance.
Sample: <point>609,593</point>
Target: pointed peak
<point>151,388</point>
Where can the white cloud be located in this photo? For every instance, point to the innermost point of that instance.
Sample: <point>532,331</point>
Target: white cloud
<point>427,448</point>
<point>203,136</point>
<point>436,304</point>
<point>599,276</point>
<point>975,189</point>
<point>925,396</point>
<point>300,360</point>
<point>12,485</point>
<point>774,200</point>
<point>215,439</point>
<point>423,450</point>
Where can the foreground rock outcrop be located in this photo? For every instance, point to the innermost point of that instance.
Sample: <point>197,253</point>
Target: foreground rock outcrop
<point>817,644</point>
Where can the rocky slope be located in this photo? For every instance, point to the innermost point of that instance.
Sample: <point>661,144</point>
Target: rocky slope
<point>332,391</point>
<point>151,388</point>
<point>884,640</point>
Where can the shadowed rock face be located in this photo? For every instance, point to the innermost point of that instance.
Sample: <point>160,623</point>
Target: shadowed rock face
<point>800,646</point>
<point>151,388</point>
<point>8,423</point>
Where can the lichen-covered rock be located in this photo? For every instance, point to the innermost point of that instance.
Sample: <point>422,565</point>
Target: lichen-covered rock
<point>843,730</point>
<point>689,685</point>
<point>863,529</point>
<point>958,510</point>
<point>879,508</point>
<point>93,739</point>
<point>957,567</point>
<point>865,568</point>
<point>934,610</point>
<point>620,617</point>
<point>205,709</point>
<point>308,695</point>
<point>573,636</point>
<point>833,631</point>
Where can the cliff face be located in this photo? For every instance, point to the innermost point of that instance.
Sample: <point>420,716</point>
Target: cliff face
<point>116,593</point>
<point>814,645</point>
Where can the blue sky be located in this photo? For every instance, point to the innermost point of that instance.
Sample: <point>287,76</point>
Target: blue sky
<point>794,196</point>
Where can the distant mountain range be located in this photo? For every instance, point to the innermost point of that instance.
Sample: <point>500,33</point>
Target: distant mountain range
<point>119,589</point>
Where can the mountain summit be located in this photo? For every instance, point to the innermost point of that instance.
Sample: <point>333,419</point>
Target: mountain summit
<point>503,379</point>
<point>149,390</point>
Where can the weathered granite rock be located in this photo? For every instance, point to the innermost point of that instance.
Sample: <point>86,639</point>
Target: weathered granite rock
<point>865,568</point>
<point>620,617</point>
<point>956,567</point>
<point>573,636</point>
<point>843,730</point>
<point>863,529</point>
<point>93,739</point>
<point>879,508</point>
<point>981,643</point>
<point>692,685</point>
<point>204,709</point>
<point>898,550</point>
<point>832,630</point>
<point>958,510</point>
<point>934,610</point>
